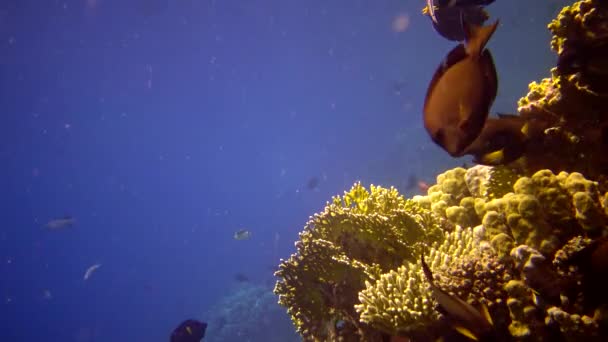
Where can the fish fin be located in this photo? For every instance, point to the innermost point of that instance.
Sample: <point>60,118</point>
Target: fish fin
<point>431,10</point>
<point>492,158</point>
<point>462,21</point>
<point>535,297</point>
<point>427,271</point>
<point>506,115</point>
<point>465,332</point>
<point>485,313</point>
<point>476,37</point>
<point>525,129</point>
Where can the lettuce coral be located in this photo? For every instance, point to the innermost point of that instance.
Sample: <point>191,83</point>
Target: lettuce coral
<point>356,238</point>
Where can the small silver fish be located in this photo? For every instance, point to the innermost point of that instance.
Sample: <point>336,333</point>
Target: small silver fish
<point>89,272</point>
<point>242,234</point>
<point>60,223</point>
<point>465,319</point>
<point>46,294</point>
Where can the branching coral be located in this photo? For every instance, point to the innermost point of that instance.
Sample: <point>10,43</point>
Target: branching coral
<point>400,301</point>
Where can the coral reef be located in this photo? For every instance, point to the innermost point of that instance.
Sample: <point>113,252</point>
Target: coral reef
<point>569,109</point>
<point>249,313</point>
<point>355,239</point>
<point>516,254</point>
<point>528,240</point>
<point>399,302</point>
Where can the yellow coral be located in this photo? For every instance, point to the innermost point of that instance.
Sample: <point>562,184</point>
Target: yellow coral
<point>400,302</point>
<point>356,238</point>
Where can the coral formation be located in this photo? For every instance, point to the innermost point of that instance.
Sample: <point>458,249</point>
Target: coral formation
<point>355,239</point>
<point>528,240</point>
<point>400,302</point>
<point>249,313</point>
<point>513,253</point>
<point>569,108</point>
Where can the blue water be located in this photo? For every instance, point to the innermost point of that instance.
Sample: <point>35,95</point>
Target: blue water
<point>163,127</point>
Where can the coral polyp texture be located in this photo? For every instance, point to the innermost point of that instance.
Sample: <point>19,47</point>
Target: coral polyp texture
<point>528,241</point>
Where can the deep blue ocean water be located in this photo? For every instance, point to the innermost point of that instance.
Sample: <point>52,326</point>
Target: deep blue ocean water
<point>162,127</point>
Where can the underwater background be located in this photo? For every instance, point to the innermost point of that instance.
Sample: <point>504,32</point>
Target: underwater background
<point>164,127</point>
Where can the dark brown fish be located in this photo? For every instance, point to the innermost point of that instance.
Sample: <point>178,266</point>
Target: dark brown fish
<point>501,141</point>
<point>470,322</point>
<point>461,92</point>
<point>241,278</point>
<point>505,139</point>
<point>189,331</point>
<point>313,183</point>
<point>412,182</point>
<point>435,7</point>
<point>449,22</point>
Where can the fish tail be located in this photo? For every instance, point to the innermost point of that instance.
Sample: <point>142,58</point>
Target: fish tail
<point>427,271</point>
<point>431,10</point>
<point>476,36</point>
<point>486,314</point>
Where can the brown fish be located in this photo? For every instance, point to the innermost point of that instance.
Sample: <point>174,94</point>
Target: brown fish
<point>501,141</point>
<point>468,321</point>
<point>448,19</point>
<point>461,92</point>
<point>504,139</point>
